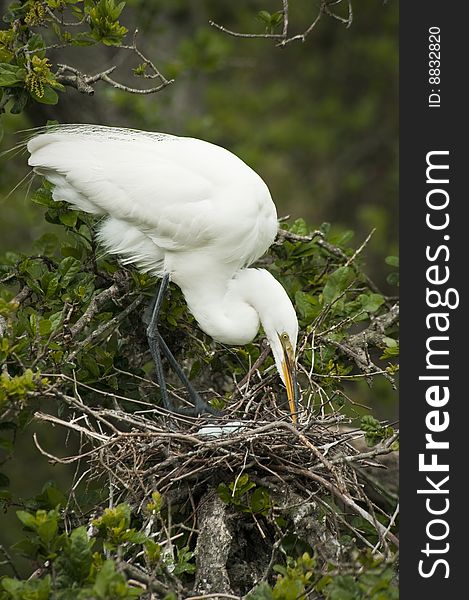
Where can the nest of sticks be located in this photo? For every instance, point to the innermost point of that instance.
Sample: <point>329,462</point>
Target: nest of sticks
<point>320,478</point>
<point>150,449</point>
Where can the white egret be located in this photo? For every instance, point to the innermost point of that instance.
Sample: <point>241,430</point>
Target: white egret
<point>189,212</point>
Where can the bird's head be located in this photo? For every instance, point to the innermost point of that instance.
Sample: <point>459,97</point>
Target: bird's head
<point>282,341</point>
<point>280,323</point>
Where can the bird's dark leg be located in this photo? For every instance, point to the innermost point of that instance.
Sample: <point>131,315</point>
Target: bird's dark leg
<point>158,345</point>
<point>154,344</point>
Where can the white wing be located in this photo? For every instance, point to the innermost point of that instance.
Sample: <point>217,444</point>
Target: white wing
<point>167,194</point>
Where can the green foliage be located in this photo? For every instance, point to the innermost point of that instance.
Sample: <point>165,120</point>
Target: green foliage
<point>34,30</point>
<point>294,578</point>
<point>36,589</point>
<point>374,431</point>
<point>83,562</point>
<point>373,581</point>
<point>15,389</point>
<point>156,503</point>
<point>152,552</point>
<point>301,576</point>
<point>73,569</point>
<point>103,17</point>
<point>183,563</point>
<point>393,277</point>
<point>44,524</point>
<point>270,20</point>
<point>245,496</point>
<point>114,527</point>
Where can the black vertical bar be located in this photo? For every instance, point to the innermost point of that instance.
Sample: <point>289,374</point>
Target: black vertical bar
<point>434,248</point>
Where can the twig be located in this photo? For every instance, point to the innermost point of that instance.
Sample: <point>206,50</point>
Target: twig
<point>96,303</point>
<point>56,421</point>
<point>259,362</point>
<point>84,83</point>
<point>148,580</point>
<point>285,38</point>
<point>105,327</point>
<point>348,501</point>
<point>360,249</point>
<point>9,561</point>
<point>391,523</point>
<point>275,36</point>
<point>53,16</point>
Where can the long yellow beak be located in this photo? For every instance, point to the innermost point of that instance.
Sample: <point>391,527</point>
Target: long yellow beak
<point>289,374</point>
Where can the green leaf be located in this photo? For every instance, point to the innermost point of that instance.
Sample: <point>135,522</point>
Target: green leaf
<point>325,227</point>
<point>69,218</point>
<point>50,497</point>
<point>390,352</point>
<point>83,39</point>
<point>299,227</point>
<point>32,589</point>
<point>46,244</point>
<point>224,493</point>
<point>152,551</point>
<point>51,286</point>
<point>307,305</point>
<point>393,261</point>
<point>36,44</point>
<point>43,196</point>
<point>20,99</point>
<point>68,268</point>
<point>260,501</point>
<point>45,327</point>
<point>371,302</point>
<point>26,518</point>
<point>56,320</point>
<point>265,16</point>
<point>47,525</point>
<point>393,278</point>
<point>276,18</point>
<point>390,342</point>
<point>337,283</point>
<point>262,592</point>
<point>374,431</point>
<point>156,503</point>
<point>11,75</point>
<point>78,554</point>
<point>49,96</point>
<point>242,485</point>
<point>183,565</point>
<point>343,587</point>
<point>104,579</point>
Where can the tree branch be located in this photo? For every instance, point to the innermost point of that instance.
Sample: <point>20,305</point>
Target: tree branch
<point>285,37</point>
<point>73,77</point>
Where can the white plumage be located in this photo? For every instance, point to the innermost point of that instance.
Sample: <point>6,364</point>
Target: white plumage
<point>179,206</point>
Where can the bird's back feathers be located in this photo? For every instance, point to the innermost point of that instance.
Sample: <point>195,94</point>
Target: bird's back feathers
<point>163,195</point>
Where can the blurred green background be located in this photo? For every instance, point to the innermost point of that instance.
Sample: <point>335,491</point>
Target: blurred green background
<point>317,120</point>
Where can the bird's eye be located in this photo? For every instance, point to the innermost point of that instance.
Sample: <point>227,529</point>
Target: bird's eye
<point>285,336</point>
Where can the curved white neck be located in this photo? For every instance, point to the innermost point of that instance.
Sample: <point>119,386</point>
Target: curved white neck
<point>229,307</point>
<point>222,306</point>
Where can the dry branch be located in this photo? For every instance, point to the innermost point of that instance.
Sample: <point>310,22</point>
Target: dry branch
<point>141,454</point>
<point>286,37</point>
<point>71,76</point>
